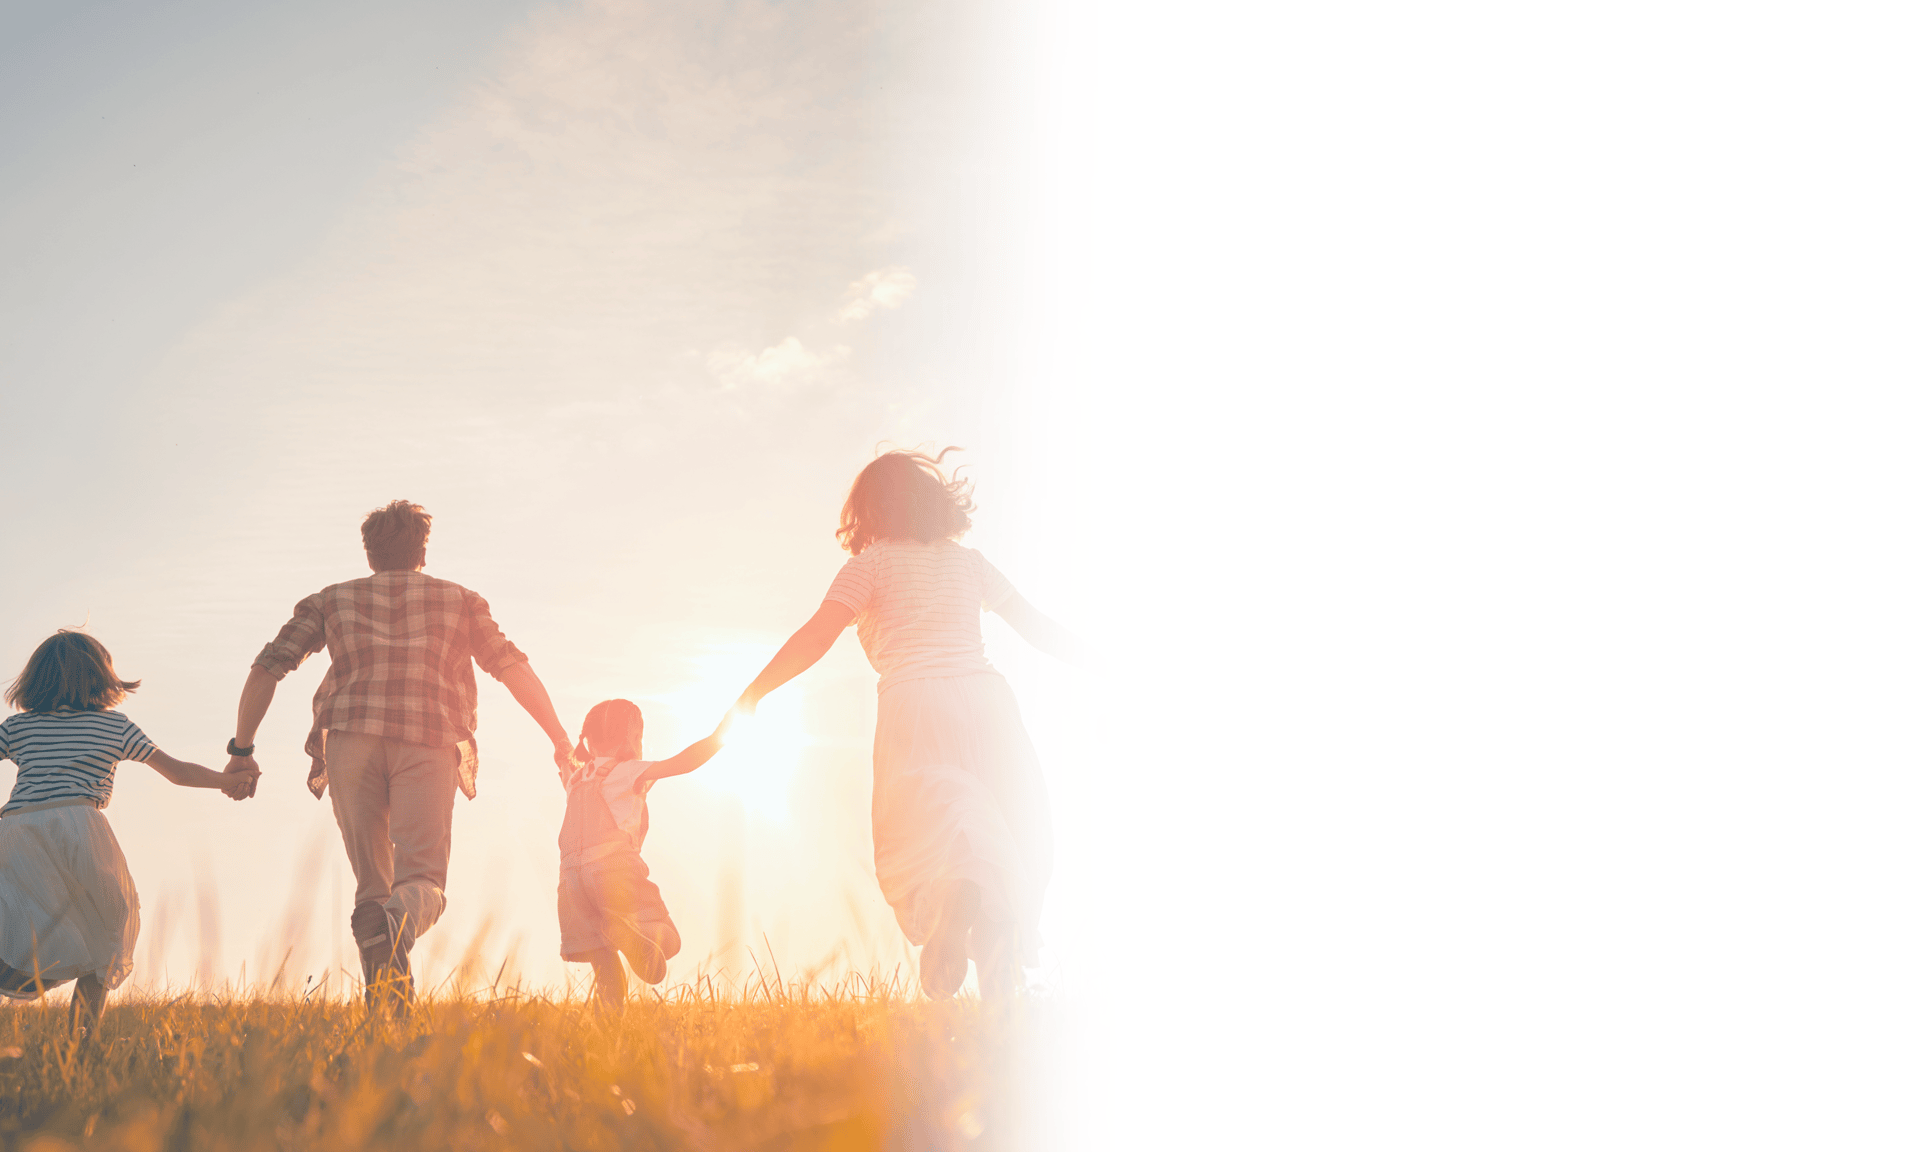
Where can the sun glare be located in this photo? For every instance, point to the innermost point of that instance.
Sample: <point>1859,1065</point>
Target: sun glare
<point>762,749</point>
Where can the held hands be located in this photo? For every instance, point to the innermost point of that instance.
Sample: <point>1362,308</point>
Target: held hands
<point>738,721</point>
<point>687,759</point>
<point>241,778</point>
<point>566,762</point>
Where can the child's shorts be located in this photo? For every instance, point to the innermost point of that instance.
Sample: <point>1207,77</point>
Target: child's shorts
<point>607,902</point>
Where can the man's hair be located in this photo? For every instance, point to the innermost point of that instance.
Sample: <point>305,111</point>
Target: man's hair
<point>70,669</point>
<point>903,495</point>
<point>396,536</point>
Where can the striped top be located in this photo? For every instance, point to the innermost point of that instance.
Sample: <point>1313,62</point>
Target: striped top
<point>917,607</point>
<point>68,754</point>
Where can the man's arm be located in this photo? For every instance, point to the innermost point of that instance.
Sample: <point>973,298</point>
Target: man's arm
<point>499,659</point>
<point>255,695</point>
<point>532,695</point>
<point>300,637</point>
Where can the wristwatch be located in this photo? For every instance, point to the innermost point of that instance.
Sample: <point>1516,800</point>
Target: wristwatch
<point>234,749</point>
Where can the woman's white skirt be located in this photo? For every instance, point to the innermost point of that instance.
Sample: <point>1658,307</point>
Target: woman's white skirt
<point>958,795</point>
<point>67,903</point>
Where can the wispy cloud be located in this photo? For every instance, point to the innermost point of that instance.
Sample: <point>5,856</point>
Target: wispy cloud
<point>885,288</point>
<point>784,364</point>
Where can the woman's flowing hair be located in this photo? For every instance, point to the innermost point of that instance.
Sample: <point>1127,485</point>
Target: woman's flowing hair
<point>607,723</point>
<point>903,495</point>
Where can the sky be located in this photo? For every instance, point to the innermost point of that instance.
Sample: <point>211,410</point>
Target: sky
<point>623,294</point>
<point>1476,442</point>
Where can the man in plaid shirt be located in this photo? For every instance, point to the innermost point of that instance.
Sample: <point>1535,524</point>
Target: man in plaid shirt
<point>393,726</point>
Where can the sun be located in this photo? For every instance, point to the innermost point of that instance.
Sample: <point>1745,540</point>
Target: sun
<point>762,749</point>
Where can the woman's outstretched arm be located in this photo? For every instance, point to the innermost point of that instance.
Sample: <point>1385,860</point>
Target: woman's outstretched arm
<point>801,651</point>
<point>1041,630</point>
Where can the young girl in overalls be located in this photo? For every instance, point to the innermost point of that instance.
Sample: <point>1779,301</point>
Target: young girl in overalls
<point>68,909</point>
<point>608,907</point>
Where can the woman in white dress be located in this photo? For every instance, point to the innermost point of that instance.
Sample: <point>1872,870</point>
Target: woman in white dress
<point>962,839</point>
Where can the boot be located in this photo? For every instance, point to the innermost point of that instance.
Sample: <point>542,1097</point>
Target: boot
<point>384,965</point>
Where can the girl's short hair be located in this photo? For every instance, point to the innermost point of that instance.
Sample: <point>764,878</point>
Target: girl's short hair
<point>70,669</point>
<point>607,723</point>
<point>396,536</point>
<point>903,495</point>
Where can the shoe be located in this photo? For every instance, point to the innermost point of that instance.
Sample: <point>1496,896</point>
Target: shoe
<point>384,964</point>
<point>991,946</point>
<point>649,962</point>
<point>943,962</point>
<point>647,945</point>
<point>396,974</point>
<point>16,984</point>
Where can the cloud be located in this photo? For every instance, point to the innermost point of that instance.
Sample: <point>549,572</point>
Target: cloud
<point>886,288</point>
<point>786,363</point>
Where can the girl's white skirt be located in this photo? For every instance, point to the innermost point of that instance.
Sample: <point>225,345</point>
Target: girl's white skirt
<point>958,795</point>
<point>67,903</point>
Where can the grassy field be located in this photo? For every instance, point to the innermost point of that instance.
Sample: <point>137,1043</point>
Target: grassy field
<point>861,1066</point>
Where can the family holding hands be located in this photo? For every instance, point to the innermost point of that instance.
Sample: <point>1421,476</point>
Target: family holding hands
<point>961,829</point>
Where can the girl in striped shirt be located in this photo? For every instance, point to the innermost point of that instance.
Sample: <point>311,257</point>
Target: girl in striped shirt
<point>68,909</point>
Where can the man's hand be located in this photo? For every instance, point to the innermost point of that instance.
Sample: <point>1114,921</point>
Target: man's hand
<point>564,760</point>
<point>246,773</point>
<point>239,783</point>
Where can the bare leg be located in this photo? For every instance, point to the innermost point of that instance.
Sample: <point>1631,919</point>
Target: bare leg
<point>89,1000</point>
<point>609,979</point>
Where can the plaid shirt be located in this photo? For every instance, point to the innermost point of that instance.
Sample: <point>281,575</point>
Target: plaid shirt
<point>403,646</point>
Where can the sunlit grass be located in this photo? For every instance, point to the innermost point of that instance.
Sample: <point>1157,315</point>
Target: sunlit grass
<point>864,1064</point>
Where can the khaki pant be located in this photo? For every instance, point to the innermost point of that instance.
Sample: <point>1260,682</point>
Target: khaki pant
<point>394,804</point>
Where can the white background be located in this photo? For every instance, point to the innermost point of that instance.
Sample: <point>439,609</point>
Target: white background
<point>1504,413</point>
